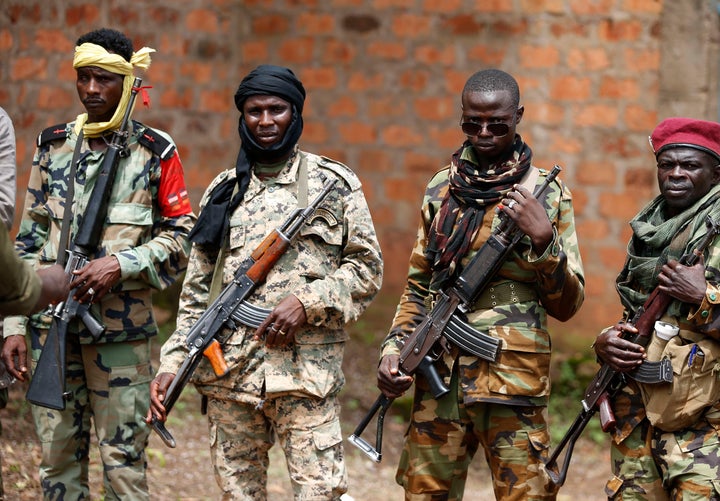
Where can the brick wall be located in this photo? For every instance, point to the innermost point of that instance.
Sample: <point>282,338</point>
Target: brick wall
<point>384,78</point>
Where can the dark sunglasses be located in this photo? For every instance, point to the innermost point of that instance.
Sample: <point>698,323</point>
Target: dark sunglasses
<point>497,129</point>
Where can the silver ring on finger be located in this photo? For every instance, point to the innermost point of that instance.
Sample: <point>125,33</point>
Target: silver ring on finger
<point>273,328</point>
<point>91,291</point>
<point>511,204</point>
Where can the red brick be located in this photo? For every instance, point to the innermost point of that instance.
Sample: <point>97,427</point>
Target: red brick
<point>390,4</point>
<point>541,6</point>
<point>532,56</point>
<point>357,133</point>
<point>87,14</point>
<point>401,136</point>
<point>432,54</point>
<point>592,58</point>
<point>297,50</point>
<point>199,72</point>
<point>387,50</point>
<point>23,68</point>
<point>569,28</point>
<point>621,206</point>
<point>215,100</point>
<point>319,78</point>
<point>462,25</point>
<point>643,179</point>
<point>345,106</point>
<point>580,200</point>
<point>315,24</point>
<point>202,20</point>
<point>595,229</point>
<point>591,7</point>
<point>436,108</point>
<point>445,139</point>
<point>619,88</point>
<point>642,59</point>
<point>54,41</point>
<point>338,52</point>
<point>514,27</point>
<point>361,82</point>
<point>497,6</point>
<point>6,39</point>
<point>444,7</point>
<point>488,55</point>
<point>171,46</point>
<point>385,107</point>
<point>371,160</point>
<point>422,165</point>
<point>643,6</point>
<point>596,173</point>
<point>613,258</point>
<point>162,71</point>
<point>271,24</point>
<point>174,98</point>
<point>640,119</point>
<point>542,112</point>
<point>599,115</point>
<point>614,31</point>
<point>564,144</point>
<point>399,190</point>
<point>255,51</point>
<point>414,80</point>
<point>570,88</point>
<point>49,97</point>
<point>315,132</point>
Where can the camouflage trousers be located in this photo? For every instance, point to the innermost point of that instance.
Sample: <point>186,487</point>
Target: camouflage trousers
<point>308,431</point>
<point>444,435</point>
<point>110,383</point>
<point>654,465</point>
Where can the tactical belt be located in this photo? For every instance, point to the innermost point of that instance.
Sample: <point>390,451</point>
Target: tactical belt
<point>505,293</point>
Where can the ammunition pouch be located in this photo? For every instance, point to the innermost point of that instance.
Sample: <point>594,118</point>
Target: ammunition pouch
<point>505,293</point>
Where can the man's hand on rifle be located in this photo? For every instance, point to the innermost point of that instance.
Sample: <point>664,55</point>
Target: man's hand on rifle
<point>96,279</point>
<point>390,380</point>
<point>158,390</point>
<point>282,323</point>
<point>620,354</point>
<point>55,286</point>
<point>685,283</point>
<point>530,217</point>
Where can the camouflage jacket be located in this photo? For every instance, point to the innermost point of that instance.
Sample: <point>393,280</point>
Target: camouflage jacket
<point>552,283</point>
<point>697,323</point>
<point>146,227</point>
<point>334,267</point>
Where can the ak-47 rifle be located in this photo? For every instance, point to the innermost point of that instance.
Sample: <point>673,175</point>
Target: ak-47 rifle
<point>608,381</point>
<point>444,323</point>
<point>231,307</point>
<point>47,387</point>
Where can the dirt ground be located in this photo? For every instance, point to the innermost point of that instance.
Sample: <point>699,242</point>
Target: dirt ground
<point>185,473</point>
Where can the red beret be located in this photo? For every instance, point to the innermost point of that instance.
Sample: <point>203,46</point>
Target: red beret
<point>688,132</point>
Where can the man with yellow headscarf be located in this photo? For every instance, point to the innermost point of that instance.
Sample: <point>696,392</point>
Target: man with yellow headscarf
<point>144,246</point>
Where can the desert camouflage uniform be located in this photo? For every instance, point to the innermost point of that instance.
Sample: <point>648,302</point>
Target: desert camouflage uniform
<point>650,464</point>
<point>334,267</point>
<point>148,219</point>
<point>500,406</point>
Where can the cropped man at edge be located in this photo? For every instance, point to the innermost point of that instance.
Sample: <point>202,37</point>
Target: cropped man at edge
<point>500,406</point>
<point>144,247</point>
<point>284,376</point>
<point>666,441</point>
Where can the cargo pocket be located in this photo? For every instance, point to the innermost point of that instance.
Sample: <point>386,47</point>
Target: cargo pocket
<point>127,222</point>
<point>524,362</point>
<point>55,213</point>
<point>128,396</point>
<point>327,435</point>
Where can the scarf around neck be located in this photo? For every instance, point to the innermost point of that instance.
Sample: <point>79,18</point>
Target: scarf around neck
<point>470,192</point>
<point>656,240</point>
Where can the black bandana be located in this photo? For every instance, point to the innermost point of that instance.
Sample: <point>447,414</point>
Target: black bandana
<point>213,221</point>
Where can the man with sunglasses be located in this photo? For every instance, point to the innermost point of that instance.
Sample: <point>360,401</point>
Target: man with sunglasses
<point>500,405</point>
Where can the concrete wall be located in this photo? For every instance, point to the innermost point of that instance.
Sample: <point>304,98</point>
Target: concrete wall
<point>384,77</point>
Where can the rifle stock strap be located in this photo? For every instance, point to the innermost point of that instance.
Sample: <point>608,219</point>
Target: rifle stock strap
<point>67,213</point>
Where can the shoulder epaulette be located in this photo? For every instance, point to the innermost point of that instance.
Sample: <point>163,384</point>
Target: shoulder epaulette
<point>341,170</point>
<point>156,143</point>
<point>53,133</point>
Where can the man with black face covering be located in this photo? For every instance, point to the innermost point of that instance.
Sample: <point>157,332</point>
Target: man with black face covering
<point>285,375</point>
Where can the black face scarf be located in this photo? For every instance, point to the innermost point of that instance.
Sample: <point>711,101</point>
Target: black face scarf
<point>212,224</point>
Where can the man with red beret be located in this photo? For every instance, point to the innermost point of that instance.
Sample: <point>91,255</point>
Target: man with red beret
<point>665,444</point>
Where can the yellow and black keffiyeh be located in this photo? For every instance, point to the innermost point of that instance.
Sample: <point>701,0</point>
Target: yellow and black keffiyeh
<point>90,54</point>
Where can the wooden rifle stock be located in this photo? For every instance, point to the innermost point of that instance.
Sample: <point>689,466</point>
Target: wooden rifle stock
<point>202,339</point>
<point>426,343</point>
<point>608,381</point>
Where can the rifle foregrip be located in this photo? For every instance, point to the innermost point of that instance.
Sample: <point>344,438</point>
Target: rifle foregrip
<point>607,417</point>
<point>215,356</point>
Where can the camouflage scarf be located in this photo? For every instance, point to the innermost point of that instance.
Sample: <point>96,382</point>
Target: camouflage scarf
<point>461,212</point>
<point>657,240</point>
